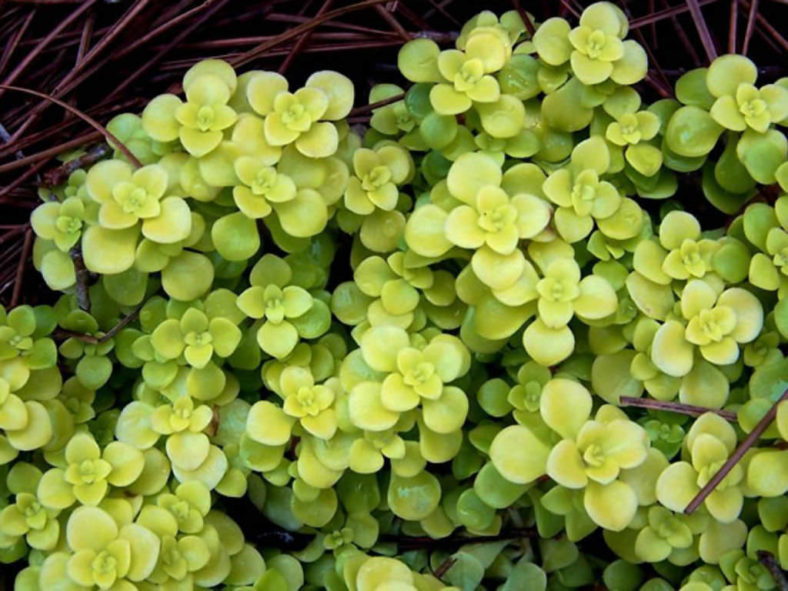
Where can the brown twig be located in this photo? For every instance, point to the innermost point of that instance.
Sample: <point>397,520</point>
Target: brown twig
<point>31,55</point>
<point>703,29</point>
<point>661,15</point>
<point>444,566</point>
<point>677,407</point>
<point>301,41</point>
<point>83,299</point>
<point>733,22</point>
<point>768,560</point>
<point>58,176</point>
<point>415,542</point>
<point>774,36</point>
<point>736,456</point>
<point>87,35</point>
<point>260,50</point>
<point>23,178</point>
<point>155,32</point>
<point>14,42</point>
<point>50,152</point>
<point>395,25</point>
<point>20,268</point>
<point>94,340</point>
<point>214,6</point>
<point>377,104</point>
<point>441,7</point>
<point>529,25</point>
<point>411,15</point>
<point>750,26</point>
<point>86,118</point>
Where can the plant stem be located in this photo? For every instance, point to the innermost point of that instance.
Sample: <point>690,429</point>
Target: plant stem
<point>678,407</point>
<point>93,340</point>
<point>768,560</point>
<point>444,566</point>
<point>83,300</point>
<point>416,542</point>
<point>372,106</point>
<point>57,176</point>
<point>737,455</point>
<point>20,269</point>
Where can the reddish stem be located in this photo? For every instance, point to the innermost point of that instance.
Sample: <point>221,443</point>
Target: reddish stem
<point>677,407</point>
<point>736,456</point>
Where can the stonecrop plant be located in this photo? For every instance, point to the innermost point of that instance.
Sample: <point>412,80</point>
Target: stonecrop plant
<point>480,343</point>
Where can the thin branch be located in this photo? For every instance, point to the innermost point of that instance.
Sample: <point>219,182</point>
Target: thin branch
<point>733,23</point>
<point>393,22</point>
<point>123,323</point>
<point>261,49</point>
<point>14,42</point>
<point>529,25</point>
<point>416,542</point>
<point>83,299</point>
<point>677,407</point>
<point>86,118</point>
<point>87,35</point>
<point>372,106</point>
<point>187,30</point>
<point>21,179</point>
<point>161,29</point>
<point>736,456</point>
<point>750,26</point>
<point>660,15</point>
<point>20,269</point>
<point>94,340</point>
<point>57,176</point>
<point>444,566</point>
<point>441,7</point>
<point>703,29</point>
<point>774,35</point>
<point>301,41</point>
<point>412,16</point>
<point>31,55</point>
<point>49,152</point>
<point>768,560</point>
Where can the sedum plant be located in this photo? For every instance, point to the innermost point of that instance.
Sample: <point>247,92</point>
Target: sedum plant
<point>489,341</point>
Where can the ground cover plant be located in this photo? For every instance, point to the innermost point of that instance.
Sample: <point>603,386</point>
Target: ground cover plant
<point>481,342</point>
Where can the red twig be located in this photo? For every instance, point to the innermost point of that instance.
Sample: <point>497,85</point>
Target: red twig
<point>703,29</point>
<point>444,566</point>
<point>260,50</point>
<point>87,34</point>
<point>50,152</point>
<point>59,175</point>
<point>14,41</point>
<point>301,41</point>
<point>750,25</point>
<point>736,456</point>
<point>30,172</point>
<point>529,25</point>
<point>677,407</point>
<point>733,22</point>
<point>372,106</point>
<point>393,22</point>
<point>773,36</point>
<point>20,267</point>
<point>155,32</point>
<point>768,560</point>
<point>213,7</point>
<point>661,15</point>
<point>86,118</point>
<point>45,42</point>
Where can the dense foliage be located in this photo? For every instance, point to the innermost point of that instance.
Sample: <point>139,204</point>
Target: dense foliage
<point>291,354</point>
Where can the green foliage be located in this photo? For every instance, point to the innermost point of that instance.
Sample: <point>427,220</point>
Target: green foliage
<point>415,350</point>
